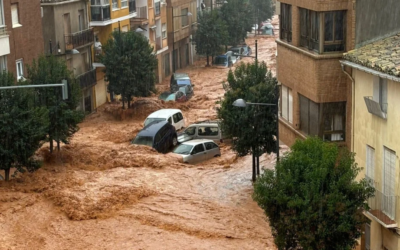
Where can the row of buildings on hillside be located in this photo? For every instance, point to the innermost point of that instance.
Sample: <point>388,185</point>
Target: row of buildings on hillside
<point>338,65</point>
<point>75,30</point>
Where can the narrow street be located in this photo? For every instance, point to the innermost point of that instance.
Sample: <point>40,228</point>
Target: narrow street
<point>101,192</point>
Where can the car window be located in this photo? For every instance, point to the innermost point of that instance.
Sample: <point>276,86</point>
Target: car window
<point>170,120</point>
<point>208,131</point>
<point>210,145</point>
<point>175,116</point>
<point>180,116</point>
<point>190,131</point>
<point>198,149</point>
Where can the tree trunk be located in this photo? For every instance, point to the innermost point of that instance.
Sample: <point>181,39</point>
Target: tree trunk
<point>58,145</point>
<point>123,103</point>
<point>208,63</point>
<point>7,174</point>
<point>258,164</point>
<point>253,177</point>
<point>129,103</point>
<point>51,145</point>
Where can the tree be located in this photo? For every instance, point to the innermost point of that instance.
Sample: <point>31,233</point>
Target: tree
<point>23,127</point>
<point>211,34</point>
<point>130,65</point>
<point>312,199</point>
<point>238,17</point>
<point>253,129</point>
<point>262,10</point>
<point>63,116</point>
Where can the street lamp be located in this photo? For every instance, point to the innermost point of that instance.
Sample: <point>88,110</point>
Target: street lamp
<point>173,38</point>
<point>242,104</point>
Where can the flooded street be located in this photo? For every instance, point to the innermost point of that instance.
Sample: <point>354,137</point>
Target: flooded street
<point>101,192</point>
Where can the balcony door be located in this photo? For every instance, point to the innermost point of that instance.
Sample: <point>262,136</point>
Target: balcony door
<point>67,24</point>
<point>389,171</point>
<point>81,20</point>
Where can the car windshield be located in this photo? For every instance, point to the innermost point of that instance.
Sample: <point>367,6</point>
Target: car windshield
<point>150,120</point>
<point>144,140</point>
<point>183,82</point>
<point>183,149</point>
<point>164,95</point>
<point>220,60</point>
<point>171,97</point>
<point>235,51</point>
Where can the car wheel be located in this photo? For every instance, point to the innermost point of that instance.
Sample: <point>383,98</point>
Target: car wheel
<point>174,141</point>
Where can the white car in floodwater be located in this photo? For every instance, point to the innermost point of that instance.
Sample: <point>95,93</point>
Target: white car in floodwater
<point>197,150</point>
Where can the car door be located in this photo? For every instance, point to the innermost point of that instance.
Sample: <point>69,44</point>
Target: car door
<point>198,153</point>
<point>178,120</point>
<point>212,149</point>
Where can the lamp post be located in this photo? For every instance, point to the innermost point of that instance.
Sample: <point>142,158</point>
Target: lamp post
<point>242,104</point>
<point>173,37</point>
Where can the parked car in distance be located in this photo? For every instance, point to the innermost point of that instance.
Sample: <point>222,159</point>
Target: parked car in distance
<point>244,50</point>
<point>181,80</point>
<point>159,135</point>
<point>178,96</point>
<point>222,61</point>
<point>202,130</point>
<point>197,150</point>
<point>172,116</point>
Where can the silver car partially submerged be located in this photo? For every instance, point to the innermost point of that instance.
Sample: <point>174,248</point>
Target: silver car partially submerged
<point>197,150</point>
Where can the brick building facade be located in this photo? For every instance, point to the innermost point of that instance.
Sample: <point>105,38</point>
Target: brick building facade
<point>23,24</point>
<point>315,93</point>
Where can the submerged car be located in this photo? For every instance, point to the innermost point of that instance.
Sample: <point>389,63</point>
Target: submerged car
<point>172,116</point>
<point>178,96</point>
<point>197,150</point>
<point>179,80</point>
<point>202,130</point>
<point>159,135</point>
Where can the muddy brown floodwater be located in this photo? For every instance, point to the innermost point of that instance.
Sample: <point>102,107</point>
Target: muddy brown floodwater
<point>100,192</point>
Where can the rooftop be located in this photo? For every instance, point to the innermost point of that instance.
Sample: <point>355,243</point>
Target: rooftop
<point>383,55</point>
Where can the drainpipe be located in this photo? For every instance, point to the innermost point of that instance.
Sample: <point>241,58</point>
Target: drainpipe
<point>352,104</point>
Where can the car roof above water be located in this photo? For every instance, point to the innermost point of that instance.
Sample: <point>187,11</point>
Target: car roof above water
<point>152,128</point>
<point>181,76</point>
<point>196,141</point>
<point>163,113</point>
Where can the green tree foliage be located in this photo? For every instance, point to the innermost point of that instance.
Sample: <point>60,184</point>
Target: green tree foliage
<point>252,128</point>
<point>262,10</point>
<point>22,127</point>
<point>312,199</point>
<point>130,65</point>
<point>239,19</point>
<point>211,34</point>
<point>63,116</point>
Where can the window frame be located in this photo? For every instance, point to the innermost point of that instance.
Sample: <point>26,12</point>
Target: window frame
<point>164,30</point>
<point>21,63</point>
<point>157,7</point>
<point>388,175</point>
<point>113,3</point>
<point>3,63</point>
<point>185,17</point>
<point>15,18</point>
<point>287,104</point>
<point>196,152</point>
<point>370,163</point>
<point>2,20</point>
<point>124,4</point>
<point>285,22</point>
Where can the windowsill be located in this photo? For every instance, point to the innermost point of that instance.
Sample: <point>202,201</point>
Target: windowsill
<point>115,9</point>
<point>164,38</point>
<point>184,27</point>
<point>330,55</point>
<point>17,25</point>
<point>122,8</point>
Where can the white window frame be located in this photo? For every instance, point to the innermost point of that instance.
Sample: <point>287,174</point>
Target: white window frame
<point>114,5</point>
<point>164,30</point>
<point>2,22</point>
<point>389,182</point>
<point>124,4</point>
<point>3,62</point>
<point>370,163</point>
<point>125,28</point>
<point>19,68</point>
<point>287,104</point>
<point>15,16</point>
<point>380,92</point>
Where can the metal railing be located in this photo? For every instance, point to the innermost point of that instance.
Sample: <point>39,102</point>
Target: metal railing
<point>78,39</point>
<point>158,43</point>
<point>87,79</point>
<point>3,30</point>
<point>132,6</point>
<point>383,207</point>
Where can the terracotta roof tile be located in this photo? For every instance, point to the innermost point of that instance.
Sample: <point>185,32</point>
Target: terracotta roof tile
<point>383,55</point>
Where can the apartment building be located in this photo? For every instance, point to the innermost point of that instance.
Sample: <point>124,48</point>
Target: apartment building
<point>21,38</point>
<point>315,91</point>
<point>67,35</point>
<point>151,22</point>
<point>374,70</point>
<point>181,15</point>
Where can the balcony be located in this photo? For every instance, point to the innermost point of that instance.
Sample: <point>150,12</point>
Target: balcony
<point>383,209</point>
<point>376,108</point>
<point>78,39</point>
<point>87,79</point>
<point>158,43</point>
<point>100,13</point>
<point>132,6</point>
<point>4,41</point>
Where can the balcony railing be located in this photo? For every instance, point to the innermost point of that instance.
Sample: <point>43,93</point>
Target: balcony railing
<point>87,79</point>
<point>100,13</point>
<point>3,30</point>
<point>376,108</point>
<point>383,208</point>
<point>132,6</point>
<point>142,12</point>
<point>158,43</point>
<point>79,39</point>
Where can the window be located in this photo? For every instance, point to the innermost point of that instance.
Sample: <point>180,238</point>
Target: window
<point>124,4</point>
<point>286,22</point>
<point>380,92</point>
<point>185,18</point>
<point>170,120</point>
<point>210,145</point>
<point>132,6</point>
<point>190,131</point>
<point>2,23</point>
<point>20,69</point>
<point>167,67</point>
<point>175,117</point>
<point>81,19</point>
<point>367,236</point>
<point>164,30</point>
<point>287,104</point>
<point>331,25</point>
<point>125,28</point>
<point>100,10</point>
<point>370,164</point>
<point>114,4</point>
<point>3,63</point>
<point>157,5</point>
<point>389,171</point>
<point>198,149</point>
<point>14,15</point>
<point>326,120</point>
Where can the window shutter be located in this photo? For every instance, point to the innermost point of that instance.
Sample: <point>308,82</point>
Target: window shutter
<point>370,166</point>
<point>285,102</point>
<point>290,106</point>
<point>14,14</point>
<point>389,183</point>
